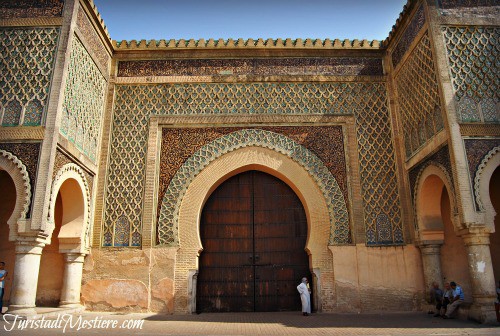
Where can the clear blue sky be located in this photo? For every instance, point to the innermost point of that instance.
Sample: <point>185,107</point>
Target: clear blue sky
<point>169,19</point>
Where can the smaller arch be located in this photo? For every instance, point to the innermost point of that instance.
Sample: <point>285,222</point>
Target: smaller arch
<point>427,200</point>
<point>19,174</point>
<point>484,172</point>
<point>76,232</point>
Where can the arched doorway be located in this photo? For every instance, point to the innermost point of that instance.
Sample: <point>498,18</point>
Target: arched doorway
<point>253,231</point>
<point>495,237</point>
<point>444,253</point>
<point>7,248</point>
<point>69,210</point>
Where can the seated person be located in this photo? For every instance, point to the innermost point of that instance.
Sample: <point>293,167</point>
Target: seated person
<point>436,295</point>
<point>458,298</point>
<point>445,300</point>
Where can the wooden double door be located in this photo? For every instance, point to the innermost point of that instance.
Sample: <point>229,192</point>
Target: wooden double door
<point>253,231</point>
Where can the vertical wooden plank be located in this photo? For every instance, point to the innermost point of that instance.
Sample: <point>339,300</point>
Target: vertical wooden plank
<point>253,230</point>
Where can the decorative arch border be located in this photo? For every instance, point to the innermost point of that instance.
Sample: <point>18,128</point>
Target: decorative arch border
<point>71,170</point>
<point>210,178</point>
<point>19,174</point>
<point>340,232</point>
<point>442,173</point>
<point>482,179</point>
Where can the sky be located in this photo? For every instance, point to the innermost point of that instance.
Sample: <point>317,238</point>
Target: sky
<point>186,19</point>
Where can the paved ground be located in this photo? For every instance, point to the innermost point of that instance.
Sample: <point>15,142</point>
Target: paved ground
<point>288,323</point>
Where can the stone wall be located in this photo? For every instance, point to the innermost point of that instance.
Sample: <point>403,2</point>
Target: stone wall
<point>371,279</point>
<point>129,280</point>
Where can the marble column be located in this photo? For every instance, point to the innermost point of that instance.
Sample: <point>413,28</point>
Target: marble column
<point>25,282</point>
<point>481,275</point>
<point>72,281</point>
<point>431,261</point>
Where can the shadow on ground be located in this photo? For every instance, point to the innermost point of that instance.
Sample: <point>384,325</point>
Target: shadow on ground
<point>296,320</point>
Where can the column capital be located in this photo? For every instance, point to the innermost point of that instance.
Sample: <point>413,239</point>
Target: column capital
<point>72,257</point>
<point>30,245</point>
<point>476,238</point>
<point>430,247</point>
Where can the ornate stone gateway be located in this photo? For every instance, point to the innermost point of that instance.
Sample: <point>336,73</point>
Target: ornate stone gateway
<point>254,231</point>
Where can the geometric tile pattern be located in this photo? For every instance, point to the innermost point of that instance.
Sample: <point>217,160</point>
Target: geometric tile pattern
<point>478,176</point>
<point>474,67</point>
<point>417,22</point>
<point>62,159</point>
<point>27,58</point>
<point>326,142</point>
<point>379,184</point>
<point>93,41</point>
<point>134,104</point>
<point>339,217</point>
<point>19,168</point>
<point>467,3</point>
<point>351,66</point>
<point>477,151</point>
<point>30,8</point>
<point>440,159</point>
<point>83,103</point>
<point>469,8</point>
<point>28,154</point>
<point>247,98</point>
<point>418,96</point>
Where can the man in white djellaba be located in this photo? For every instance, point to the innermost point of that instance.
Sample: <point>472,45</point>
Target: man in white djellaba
<point>305,296</point>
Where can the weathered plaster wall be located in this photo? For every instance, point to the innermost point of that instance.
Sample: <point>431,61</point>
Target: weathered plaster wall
<point>369,279</point>
<point>129,280</point>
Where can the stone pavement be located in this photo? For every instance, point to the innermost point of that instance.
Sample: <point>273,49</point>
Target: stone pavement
<point>282,323</point>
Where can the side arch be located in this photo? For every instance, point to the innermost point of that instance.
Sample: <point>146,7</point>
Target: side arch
<point>19,174</point>
<point>482,178</point>
<point>77,236</point>
<point>430,179</point>
<point>340,232</point>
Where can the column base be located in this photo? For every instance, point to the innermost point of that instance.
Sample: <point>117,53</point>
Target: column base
<point>483,313</point>
<point>21,311</point>
<point>63,304</point>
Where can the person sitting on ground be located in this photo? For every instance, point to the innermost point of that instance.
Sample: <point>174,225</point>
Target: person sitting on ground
<point>445,300</point>
<point>436,296</point>
<point>458,298</point>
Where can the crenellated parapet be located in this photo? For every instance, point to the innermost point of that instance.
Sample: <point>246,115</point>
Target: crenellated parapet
<point>248,43</point>
<point>98,18</point>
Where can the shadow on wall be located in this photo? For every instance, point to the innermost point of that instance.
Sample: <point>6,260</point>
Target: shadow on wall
<point>7,248</point>
<point>495,237</point>
<point>454,261</point>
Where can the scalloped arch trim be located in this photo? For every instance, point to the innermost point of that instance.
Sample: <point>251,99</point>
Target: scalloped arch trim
<point>447,184</point>
<point>479,174</point>
<point>337,208</point>
<point>19,173</point>
<point>68,171</point>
